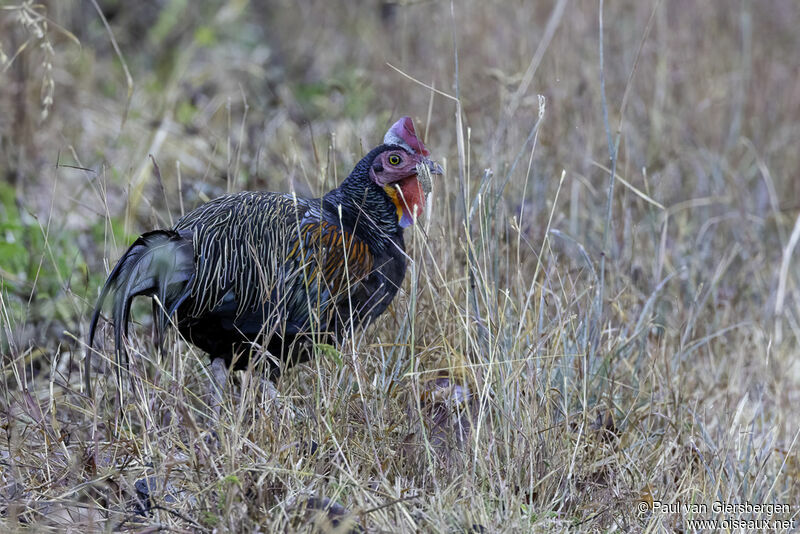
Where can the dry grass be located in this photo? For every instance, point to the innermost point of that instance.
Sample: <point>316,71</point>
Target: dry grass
<point>554,358</point>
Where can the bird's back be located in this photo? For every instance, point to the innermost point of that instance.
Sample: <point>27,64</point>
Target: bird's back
<point>240,245</point>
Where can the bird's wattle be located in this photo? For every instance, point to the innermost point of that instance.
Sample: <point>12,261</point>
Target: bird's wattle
<point>409,197</point>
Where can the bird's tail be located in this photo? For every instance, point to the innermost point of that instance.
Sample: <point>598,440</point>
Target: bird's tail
<point>159,263</point>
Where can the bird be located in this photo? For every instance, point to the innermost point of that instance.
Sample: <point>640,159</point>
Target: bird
<point>255,271</point>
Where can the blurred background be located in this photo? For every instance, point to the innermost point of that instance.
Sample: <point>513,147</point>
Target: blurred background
<point>698,321</point>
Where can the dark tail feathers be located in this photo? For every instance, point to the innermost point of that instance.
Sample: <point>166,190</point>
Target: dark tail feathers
<point>159,263</point>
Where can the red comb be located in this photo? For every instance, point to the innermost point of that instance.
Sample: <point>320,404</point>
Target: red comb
<point>402,133</point>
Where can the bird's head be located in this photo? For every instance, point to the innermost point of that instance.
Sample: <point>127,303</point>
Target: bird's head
<point>403,169</point>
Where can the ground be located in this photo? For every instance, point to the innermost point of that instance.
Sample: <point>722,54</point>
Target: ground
<point>569,351</point>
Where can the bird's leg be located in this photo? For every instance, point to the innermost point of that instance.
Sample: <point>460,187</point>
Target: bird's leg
<point>269,389</point>
<point>219,375</point>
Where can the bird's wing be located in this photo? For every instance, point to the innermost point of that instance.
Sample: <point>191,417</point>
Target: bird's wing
<point>240,242</point>
<point>270,253</point>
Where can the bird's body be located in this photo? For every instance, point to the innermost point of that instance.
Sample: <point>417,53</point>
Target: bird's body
<point>260,269</point>
<point>295,271</point>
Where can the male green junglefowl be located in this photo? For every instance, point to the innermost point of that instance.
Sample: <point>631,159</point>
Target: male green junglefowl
<point>272,270</point>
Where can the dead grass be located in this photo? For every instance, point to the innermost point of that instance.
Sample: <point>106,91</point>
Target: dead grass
<point>554,358</point>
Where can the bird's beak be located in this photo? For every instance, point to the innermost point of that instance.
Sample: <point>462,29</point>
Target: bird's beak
<point>433,167</point>
<point>425,169</point>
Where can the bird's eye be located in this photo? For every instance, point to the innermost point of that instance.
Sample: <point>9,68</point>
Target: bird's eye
<point>394,159</point>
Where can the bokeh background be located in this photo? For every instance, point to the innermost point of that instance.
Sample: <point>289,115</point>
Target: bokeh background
<point>649,354</point>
